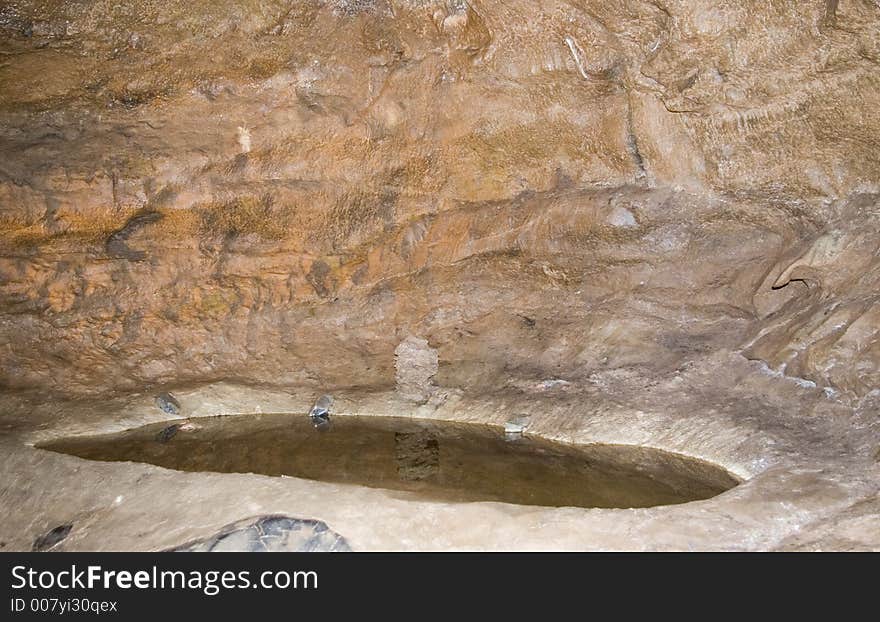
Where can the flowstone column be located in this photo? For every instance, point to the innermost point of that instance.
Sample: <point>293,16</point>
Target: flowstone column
<point>416,363</point>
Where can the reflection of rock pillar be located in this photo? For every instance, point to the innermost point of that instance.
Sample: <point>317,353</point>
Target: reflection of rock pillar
<point>416,363</point>
<point>417,455</point>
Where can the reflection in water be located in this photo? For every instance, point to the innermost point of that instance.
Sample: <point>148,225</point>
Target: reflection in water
<point>417,455</point>
<point>429,459</point>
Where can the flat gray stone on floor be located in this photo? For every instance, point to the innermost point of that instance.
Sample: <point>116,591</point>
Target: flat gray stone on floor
<point>271,534</point>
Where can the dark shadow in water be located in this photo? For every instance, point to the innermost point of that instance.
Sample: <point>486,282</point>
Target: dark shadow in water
<point>433,460</point>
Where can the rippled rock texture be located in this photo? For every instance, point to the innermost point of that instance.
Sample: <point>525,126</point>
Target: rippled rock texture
<point>285,192</point>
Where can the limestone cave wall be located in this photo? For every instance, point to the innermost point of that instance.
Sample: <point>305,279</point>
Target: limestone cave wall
<point>281,193</point>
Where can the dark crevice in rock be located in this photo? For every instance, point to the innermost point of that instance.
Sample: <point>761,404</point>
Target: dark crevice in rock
<point>52,537</point>
<point>116,245</point>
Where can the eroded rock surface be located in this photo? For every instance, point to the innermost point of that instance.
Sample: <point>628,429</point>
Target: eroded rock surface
<point>202,190</point>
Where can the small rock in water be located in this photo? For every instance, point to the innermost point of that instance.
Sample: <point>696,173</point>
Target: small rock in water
<point>168,404</point>
<point>53,537</point>
<point>320,412</point>
<point>168,433</point>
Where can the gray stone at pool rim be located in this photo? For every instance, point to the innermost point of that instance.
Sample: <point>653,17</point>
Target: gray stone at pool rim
<point>516,426</point>
<point>168,404</point>
<point>320,412</point>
